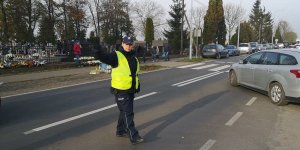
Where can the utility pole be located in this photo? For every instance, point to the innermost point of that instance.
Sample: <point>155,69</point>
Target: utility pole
<point>182,17</point>
<point>238,39</point>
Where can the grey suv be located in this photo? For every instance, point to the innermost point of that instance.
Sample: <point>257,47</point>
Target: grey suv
<point>275,72</point>
<point>214,50</point>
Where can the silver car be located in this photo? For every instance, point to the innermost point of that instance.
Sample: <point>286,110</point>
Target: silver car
<point>245,48</point>
<point>277,73</point>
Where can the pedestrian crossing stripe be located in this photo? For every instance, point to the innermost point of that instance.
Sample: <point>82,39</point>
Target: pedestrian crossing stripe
<point>192,65</point>
<point>200,66</point>
<point>206,66</point>
<point>220,68</point>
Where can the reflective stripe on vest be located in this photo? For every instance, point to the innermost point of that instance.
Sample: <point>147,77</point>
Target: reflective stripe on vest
<point>121,77</point>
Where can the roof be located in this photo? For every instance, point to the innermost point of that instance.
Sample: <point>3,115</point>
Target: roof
<point>159,42</point>
<point>285,51</point>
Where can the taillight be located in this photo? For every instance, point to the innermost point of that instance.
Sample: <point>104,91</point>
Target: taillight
<point>296,73</point>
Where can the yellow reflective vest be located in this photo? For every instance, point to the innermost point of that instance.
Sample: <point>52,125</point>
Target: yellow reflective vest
<point>121,77</point>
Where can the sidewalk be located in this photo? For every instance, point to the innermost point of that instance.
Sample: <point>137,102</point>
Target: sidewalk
<point>175,62</point>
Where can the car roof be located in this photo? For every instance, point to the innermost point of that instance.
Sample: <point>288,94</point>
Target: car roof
<point>285,51</point>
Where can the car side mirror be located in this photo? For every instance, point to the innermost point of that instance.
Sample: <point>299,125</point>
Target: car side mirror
<point>241,61</point>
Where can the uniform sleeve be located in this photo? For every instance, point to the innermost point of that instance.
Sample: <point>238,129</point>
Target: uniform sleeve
<point>107,58</point>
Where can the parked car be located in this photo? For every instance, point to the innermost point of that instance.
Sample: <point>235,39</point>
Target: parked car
<point>264,47</point>
<point>274,72</point>
<point>280,45</point>
<point>245,48</point>
<point>254,46</point>
<point>214,50</point>
<point>232,50</point>
<point>276,46</point>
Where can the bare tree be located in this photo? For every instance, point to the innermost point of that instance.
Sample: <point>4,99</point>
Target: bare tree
<point>284,28</point>
<point>198,22</point>
<point>198,17</point>
<point>95,11</point>
<point>233,15</point>
<point>143,9</point>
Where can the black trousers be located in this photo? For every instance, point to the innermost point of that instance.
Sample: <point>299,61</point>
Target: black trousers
<point>126,116</point>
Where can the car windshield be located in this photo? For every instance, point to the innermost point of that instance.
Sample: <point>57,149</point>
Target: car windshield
<point>243,45</point>
<point>210,47</point>
<point>230,47</point>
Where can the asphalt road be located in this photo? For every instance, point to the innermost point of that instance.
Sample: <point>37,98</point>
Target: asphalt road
<point>190,108</point>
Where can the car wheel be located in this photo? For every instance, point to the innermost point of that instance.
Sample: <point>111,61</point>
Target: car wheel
<point>277,94</point>
<point>233,78</point>
<point>218,56</point>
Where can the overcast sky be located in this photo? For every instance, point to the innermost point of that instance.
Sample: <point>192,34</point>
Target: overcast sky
<point>287,10</point>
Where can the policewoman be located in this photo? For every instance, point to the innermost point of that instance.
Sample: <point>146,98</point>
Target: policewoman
<point>124,84</point>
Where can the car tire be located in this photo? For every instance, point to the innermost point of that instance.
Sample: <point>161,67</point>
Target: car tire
<point>218,56</point>
<point>232,78</point>
<point>277,94</point>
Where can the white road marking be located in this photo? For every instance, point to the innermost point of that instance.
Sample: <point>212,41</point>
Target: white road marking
<point>220,68</point>
<point>251,101</point>
<point>192,65</point>
<point>53,88</point>
<point>81,116</point>
<point>208,144</point>
<point>70,85</point>
<point>206,66</point>
<point>221,62</point>
<point>193,79</point>
<point>183,83</point>
<point>234,119</point>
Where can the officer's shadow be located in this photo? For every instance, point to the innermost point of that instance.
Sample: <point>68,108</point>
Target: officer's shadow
<point>169,119</point>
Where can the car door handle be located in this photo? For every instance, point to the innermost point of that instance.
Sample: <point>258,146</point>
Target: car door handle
<point>270,70</point>
<point>251,68</point>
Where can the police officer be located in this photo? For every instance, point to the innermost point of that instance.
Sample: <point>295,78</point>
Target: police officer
<point>124,84</point>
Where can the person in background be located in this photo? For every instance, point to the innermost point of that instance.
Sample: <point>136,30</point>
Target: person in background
<point>59,47</point>
<point>166,52</point>
<point>157,53</point>
<point>77,52</point>
<point>124,84</point>
<point>144,51</point>
<point>153,53</point>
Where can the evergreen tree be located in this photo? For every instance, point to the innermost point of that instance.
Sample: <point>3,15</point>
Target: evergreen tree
<point>267,28</point>
<point>214,23</point>
<point>262,23</point>
<point>115,21</point>
<point>46,32</point>
<point>278,35</point>
<point>149,31</point>
<point>246,34</point>
<point>127,26</point>
<point>255,18</point>
<point>174,33</point>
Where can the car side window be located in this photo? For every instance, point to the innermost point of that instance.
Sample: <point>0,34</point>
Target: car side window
<point>254,59</point>
<point>287,60</point>
<point>220,47</point>
<point>270,59</point>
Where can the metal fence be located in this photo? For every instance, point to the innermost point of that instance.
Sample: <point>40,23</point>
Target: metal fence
<point>50,53</point>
